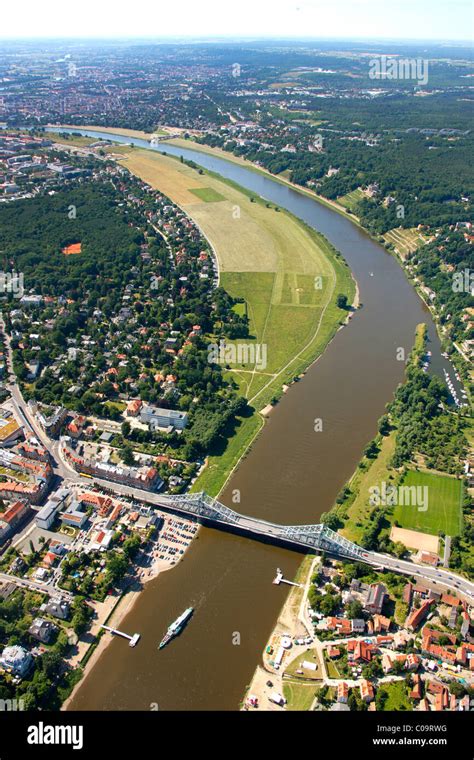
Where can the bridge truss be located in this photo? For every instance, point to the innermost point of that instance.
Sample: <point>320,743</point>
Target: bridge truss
<point>318,537</point>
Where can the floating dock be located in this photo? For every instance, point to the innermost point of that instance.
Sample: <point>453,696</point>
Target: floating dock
<point>133,640</point>
<point>280,579</point>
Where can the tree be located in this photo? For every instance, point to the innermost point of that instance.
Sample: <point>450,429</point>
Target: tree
<point>127,457</point>
<point>371,450</point>
<point>399,549</point>
<point>341,301</point>
<point>354,609</point>
<point>457,689</point>
<point>131,546</point>
<point>116,567</point>
<point>384,425</point>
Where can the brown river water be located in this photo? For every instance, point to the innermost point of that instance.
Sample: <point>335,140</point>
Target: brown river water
<point>291,475</point>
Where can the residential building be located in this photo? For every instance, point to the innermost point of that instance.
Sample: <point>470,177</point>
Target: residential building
<point>375,598</point>
<point>367,693</point>
<point>46,516</point>
<point>57,607</point>
<point>42,629</point>
<point>358,625</point>
<point>144,477</point>
<point>465,625</point>
<point>381,623</point>
<point>12,518</point>
<point>75,515</point>
<point>16,660</point>
<point>10,431</point>
<point>342,692</point>
<point>53,422</point>
<point>134,407</point>
<point>417,616</point>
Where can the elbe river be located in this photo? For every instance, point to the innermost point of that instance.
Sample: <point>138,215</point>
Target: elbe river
<point>291,475</point>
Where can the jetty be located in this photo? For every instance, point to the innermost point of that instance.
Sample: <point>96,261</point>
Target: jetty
<point>280,579</point>
<point>133,640</point>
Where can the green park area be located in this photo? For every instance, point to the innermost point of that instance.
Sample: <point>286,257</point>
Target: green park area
<point>444,504</point>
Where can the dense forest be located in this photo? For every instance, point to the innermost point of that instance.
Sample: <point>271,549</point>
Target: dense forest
<point>424,426</point>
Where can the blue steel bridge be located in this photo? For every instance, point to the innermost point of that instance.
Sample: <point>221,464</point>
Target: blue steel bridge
<point>316,537</point>
<point>319,537</point>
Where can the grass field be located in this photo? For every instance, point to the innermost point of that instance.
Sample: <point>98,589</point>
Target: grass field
<point>287,273</point>
<point>361,483</point>
<point>404,241</point>
<point>221,463</point>
<point>444,511</point>
<point>73,140</point>
<point>297,664</point>
<point>298,696</point>
<point>351,199</point>
<point>397,696</point>
<point>331,668</point>
<point>208,195</point>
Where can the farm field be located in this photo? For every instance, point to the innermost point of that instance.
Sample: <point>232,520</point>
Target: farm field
<point>286,272</point>
<point>404,241</point>
<point>444,511</point>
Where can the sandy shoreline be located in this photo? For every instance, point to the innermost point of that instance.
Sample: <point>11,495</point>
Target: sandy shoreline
<point>123,606</point>
<point>291,622</point>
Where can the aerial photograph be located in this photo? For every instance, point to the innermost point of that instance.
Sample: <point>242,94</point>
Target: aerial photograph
<point>236,375</point>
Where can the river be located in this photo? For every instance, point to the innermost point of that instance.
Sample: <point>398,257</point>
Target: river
<point>291,475</point>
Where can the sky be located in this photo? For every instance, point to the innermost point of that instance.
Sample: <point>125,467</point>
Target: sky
<point>339,19</point>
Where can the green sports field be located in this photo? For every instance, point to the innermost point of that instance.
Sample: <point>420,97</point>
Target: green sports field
<point>444,512</point>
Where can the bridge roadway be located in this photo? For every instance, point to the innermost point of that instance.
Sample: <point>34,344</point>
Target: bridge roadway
<point>310,537</point>
<point>313,537</point>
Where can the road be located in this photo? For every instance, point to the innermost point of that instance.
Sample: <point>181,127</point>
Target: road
<point>437,576</point>
<point>27,418</point>
<point>44,588</point>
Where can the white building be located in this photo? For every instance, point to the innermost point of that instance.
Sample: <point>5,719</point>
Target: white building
<point>46,516</point>
<point>16,659</point>
<point>157,417</point>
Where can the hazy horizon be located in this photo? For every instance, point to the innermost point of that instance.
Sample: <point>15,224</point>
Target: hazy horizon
<point>367,20</point>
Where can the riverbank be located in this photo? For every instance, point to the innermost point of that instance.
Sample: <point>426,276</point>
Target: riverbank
<point>137,133</point>
<point>288,275</point>
<point>291,476</point>
<point>339,208</point>
<point>293,623</point>
<point>113,615</point>
<point>228,156</point>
